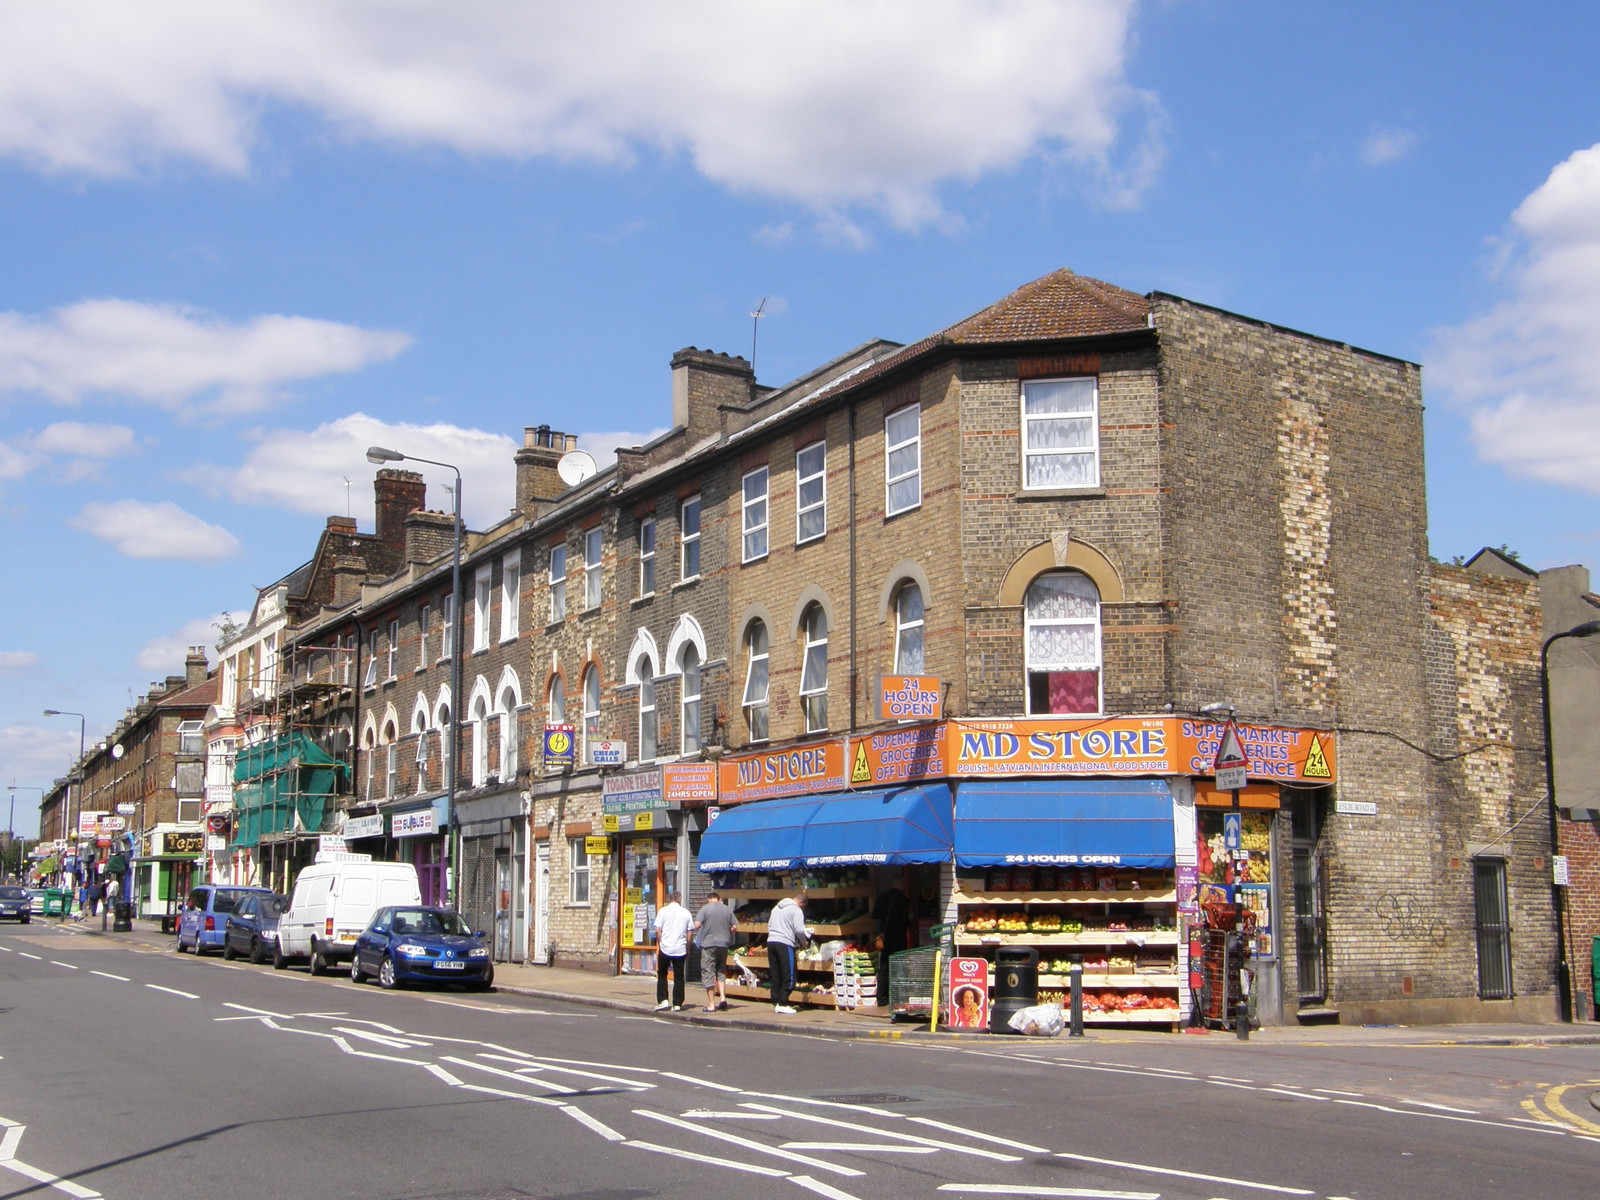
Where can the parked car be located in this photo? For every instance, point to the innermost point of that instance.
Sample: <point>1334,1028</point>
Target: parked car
<point>202,922</point>
<point>333,901</point>
<point>15,904</point>
<point>421,945</point>
<point>252,928</point>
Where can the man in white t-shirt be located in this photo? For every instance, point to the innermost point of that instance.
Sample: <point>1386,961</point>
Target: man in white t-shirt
<point>672,951</point>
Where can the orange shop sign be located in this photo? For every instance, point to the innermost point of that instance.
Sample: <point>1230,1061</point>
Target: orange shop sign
<point>797,771</point>
<point>910,698</point>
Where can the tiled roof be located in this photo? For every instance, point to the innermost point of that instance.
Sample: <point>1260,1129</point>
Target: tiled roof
<point>1059,305</point>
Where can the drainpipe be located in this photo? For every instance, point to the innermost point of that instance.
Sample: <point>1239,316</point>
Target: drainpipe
<point>854,680</point>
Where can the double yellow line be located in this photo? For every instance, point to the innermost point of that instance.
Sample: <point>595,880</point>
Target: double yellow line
<point>1555,1109</point>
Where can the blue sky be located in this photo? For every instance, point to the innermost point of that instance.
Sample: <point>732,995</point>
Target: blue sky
<point>239,243</point>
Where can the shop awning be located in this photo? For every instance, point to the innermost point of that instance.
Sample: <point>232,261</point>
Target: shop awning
<point>841,829</point>
<point>765,835</point>
<point>1107,822</point>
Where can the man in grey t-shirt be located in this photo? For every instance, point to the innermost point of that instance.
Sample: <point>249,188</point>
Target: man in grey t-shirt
<point>713,933</point>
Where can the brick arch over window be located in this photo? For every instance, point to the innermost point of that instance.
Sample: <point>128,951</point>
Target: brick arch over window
<point>903,570</point>
<point>811,595</point>
<point>1042,558</point>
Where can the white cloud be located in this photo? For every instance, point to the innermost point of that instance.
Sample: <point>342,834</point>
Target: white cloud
<point>79,440</point>
<point>305,470</point>
<point>827,102</point>
<point>603,446</point>
<point>14,664</point>
<point>1528,371</point>
<point>140,530</point>
<point>164,655</point>
<point>177,358</point>
<point>1387,146</point>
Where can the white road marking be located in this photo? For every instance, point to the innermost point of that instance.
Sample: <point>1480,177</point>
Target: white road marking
<point>68,966</point>
<point>394,1043</point>
<point>822,1189</point>
<point>1001,1189</point>
<point>899,1137</point>
<point>1296,1094</point>
<point>558,1088</point>
<point>734,1139</point>
<point>1229,1079</point>
<point>1471,1112</point>
<point>35,957</point>
<point>536,1065</point>
<point>973,1133</point>
<point>109,975</point>
<point>1132,1166</point>
<point>173,991</point>
<point>7,949</point>
<point>9,1160</point>
<point>706,1158</point>
<point>594,1123</point>
<point>875,1147</point>
<point>1337,1092</point>
<point>706,1114</point>
<point>706,1083</point>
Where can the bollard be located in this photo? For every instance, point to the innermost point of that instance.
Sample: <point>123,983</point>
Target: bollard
<point>1075,1013</point>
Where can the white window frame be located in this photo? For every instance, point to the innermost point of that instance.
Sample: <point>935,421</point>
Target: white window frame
<point>558,582</point>
<point>511,596</point>
<point>902,625</point>
<point>370,678</point>
<point>689,542</point>
<point>1041,420</point>
<point>420,728</point>
<point>480,739</point>
<point>912,443</point>
<point>447,631</point>
<point>805,476</point>
<point>814,691</point>
<point>555,701</point>
<point>689,701</point>
<point>391,654</point>
<point>647,556</point>
<point>649,713</point>
<point>591,709</point>
<point>593,553</point>
<point>391,768</point>
<point>482,603</point>
<point>191,737</point>
<point>1029,623</point>
<point>753,492</point>
<point>757,712</point>
<point>510,756</point>
<point>577,873</point>
<point>424,629</point>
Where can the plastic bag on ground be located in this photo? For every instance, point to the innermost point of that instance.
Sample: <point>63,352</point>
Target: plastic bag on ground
<point>1042,1020</point>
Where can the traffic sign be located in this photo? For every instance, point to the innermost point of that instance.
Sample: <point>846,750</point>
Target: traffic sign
<point>1230,767</point>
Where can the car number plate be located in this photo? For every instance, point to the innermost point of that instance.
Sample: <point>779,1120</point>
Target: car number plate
<point>450,966</point>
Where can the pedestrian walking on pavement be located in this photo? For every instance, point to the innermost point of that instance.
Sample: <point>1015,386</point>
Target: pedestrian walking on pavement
<point>786,933</point>
<point>672,951</point>
<point>713,933</point>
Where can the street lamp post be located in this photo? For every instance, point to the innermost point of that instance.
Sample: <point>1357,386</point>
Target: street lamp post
<point>1558,893</point>
<point>11,824</point>
<point>379,455</point>
<point>72,824</point>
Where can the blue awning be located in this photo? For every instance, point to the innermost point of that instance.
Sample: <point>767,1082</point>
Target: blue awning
<point>890,826</point>
<point>1106,822</point>
<point>764,835</point>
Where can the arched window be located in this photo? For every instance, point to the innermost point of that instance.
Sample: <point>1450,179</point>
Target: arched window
<point>369,744</point>
<point>591,709</point>
<point>648,723</point>
<point>1062,640</point>
<point>443,721</point>
<point>479,718</point>
<point>508,732</point>
<point>814,670</point>
<point>755,681</point>
<point>690,667</point>
<point>908,630</point>
<point>391,760</point>
<point>419,727</point>
<point>556,713</point>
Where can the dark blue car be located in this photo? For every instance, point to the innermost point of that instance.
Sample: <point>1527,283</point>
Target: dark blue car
<point>421,945</point>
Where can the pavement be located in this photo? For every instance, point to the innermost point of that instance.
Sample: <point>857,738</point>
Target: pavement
<point>636,994</point>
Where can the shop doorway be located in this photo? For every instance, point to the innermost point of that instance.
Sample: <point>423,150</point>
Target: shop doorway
<point>1310,922</point>
<point>541,904</point>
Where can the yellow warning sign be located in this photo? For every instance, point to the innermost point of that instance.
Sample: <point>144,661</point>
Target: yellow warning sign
<point>1316,761</point>
<point>861,772</point>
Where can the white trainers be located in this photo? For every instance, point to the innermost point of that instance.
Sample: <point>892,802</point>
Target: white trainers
<point>663,1006</point>
<point>784,1008</point>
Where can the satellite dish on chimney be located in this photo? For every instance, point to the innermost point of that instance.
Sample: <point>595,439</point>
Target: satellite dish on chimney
<point>575,466</point>
<point>117,751</point>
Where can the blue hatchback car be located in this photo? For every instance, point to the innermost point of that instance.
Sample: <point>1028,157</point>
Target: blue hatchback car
<point>421,945</point>
<point>203,923</point>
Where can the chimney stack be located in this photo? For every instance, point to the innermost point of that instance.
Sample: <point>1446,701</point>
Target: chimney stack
<point>537,480</point>
<point>703,381</point>
<point>397,494</point>
<point>195,668</point>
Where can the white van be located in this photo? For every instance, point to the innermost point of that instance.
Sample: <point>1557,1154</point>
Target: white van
<point>333,900</point>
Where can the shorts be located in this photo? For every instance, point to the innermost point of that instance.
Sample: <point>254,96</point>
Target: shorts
<point>712,961</point>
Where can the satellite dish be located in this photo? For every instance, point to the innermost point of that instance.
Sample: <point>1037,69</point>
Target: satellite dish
<point>117,751</point>
<point>575,466</point>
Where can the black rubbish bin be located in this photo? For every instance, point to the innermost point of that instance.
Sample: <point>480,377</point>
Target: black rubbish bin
<point>1016,985</point>
<point>122,918</point>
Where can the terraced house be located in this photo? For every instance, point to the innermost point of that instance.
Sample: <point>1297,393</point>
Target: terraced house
<point>978,613</point>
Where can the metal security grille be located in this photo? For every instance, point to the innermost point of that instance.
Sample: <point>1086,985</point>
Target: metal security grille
<point>1494,928</point>
<point>478,881</point>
